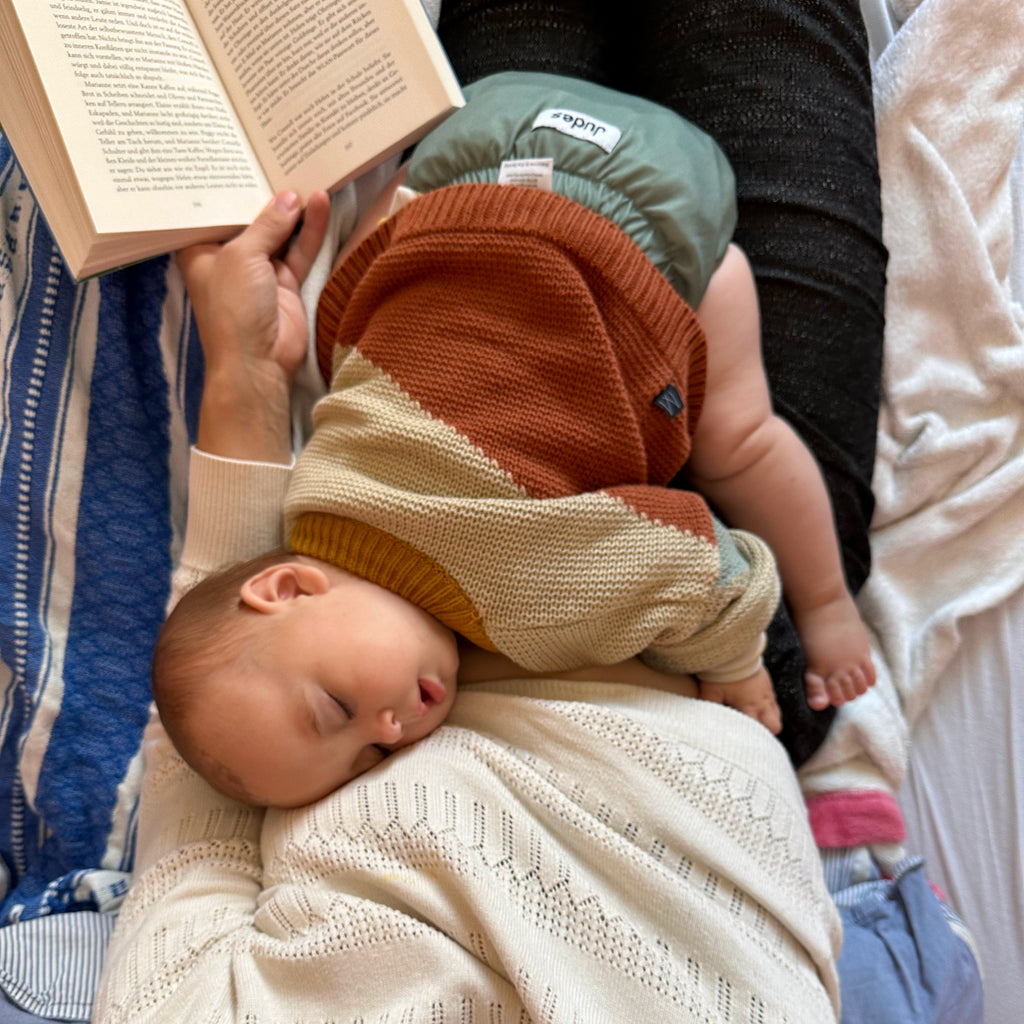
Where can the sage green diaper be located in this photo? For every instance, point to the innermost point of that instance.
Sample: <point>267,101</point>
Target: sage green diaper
<point>661,179</point>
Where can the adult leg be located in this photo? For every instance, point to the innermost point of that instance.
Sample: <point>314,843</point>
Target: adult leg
<point>562,37</point>
<point>784,86</point>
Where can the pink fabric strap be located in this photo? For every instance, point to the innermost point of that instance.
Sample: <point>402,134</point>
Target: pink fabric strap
<point>855,818</point>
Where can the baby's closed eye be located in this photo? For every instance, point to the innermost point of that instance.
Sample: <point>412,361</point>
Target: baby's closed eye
<point>346,708</point>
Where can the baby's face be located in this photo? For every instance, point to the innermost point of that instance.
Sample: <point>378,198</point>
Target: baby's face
<point>337,680</point>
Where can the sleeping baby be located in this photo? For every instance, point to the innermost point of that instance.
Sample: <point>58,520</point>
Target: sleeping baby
<point>523,355</point>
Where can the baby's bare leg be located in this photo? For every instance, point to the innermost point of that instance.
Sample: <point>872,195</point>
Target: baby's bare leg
<point>752,465</point>
<point>753,696</point>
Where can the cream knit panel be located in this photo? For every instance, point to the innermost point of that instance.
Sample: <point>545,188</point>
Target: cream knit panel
<point>566,853</point>
<point>559,583</point>
<point>755,597</point>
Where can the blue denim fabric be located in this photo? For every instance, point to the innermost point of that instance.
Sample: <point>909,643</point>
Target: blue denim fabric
<point>905,959</point>
<point>10,1014</point>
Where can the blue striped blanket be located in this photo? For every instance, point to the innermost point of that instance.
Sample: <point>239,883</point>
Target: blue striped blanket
<point>99,387</point>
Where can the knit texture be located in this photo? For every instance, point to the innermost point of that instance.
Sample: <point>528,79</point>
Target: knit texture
<point>496,444</point>
<point>567,853</point>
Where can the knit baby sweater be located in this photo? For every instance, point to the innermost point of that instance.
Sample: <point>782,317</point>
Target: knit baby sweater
<point>514,386</point>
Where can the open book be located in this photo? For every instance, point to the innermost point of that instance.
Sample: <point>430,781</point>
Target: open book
<point>146,125</point>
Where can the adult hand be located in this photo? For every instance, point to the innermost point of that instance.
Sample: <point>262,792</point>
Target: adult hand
<point>253,326</point>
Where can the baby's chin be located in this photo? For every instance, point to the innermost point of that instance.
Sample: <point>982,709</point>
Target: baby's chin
<point>429,724</point>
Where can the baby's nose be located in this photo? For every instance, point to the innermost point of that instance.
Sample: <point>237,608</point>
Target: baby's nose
<point>389,728</point>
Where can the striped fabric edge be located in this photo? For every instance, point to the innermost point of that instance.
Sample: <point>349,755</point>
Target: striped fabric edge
<point>51,966</point>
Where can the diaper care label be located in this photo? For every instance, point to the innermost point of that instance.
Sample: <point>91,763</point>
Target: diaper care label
<point>579,126</point>
<point>533,172</point>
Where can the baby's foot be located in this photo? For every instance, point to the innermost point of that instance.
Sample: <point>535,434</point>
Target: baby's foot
<point>835,642</point>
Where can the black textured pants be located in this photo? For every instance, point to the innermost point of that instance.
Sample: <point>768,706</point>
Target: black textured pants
<point>784,87</point>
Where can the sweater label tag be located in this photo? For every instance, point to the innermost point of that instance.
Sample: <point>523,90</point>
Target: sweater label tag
<point>669,401</point>
<point>534,172</point>
<point>579,126</point>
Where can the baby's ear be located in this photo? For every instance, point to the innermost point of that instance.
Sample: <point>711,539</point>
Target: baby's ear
<point>273,587</point>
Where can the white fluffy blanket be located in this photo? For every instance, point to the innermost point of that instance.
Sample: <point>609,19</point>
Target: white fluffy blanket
<point>948,540</point>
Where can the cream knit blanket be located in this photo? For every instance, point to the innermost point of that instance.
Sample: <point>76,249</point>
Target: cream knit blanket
<point>557,852</point>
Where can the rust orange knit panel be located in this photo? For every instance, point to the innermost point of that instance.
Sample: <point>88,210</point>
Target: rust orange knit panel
<point>685,510</point>
<point>534,327</point>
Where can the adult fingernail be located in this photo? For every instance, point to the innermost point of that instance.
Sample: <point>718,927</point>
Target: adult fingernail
<point>287,201</point>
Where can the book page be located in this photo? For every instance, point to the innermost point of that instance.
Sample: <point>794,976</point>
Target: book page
<point>149,128</point>
<point>305,76</point>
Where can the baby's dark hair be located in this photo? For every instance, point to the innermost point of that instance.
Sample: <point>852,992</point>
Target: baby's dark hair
<point>209,629</point>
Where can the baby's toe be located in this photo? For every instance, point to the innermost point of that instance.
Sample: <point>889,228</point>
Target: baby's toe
<point>867,670</point>
<point>846,685</point>
<point>861,682</point>
<point>816,691</point>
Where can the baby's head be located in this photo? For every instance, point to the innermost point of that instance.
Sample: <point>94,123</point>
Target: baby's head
<point>282,678</point>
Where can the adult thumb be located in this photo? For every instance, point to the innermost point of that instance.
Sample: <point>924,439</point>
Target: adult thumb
<point>274,225</point>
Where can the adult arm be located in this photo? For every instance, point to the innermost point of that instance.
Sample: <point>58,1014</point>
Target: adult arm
<point>254,333</point>
<point>253,327</point>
